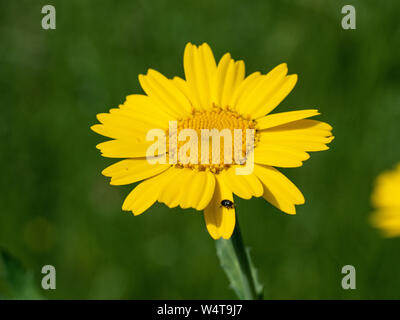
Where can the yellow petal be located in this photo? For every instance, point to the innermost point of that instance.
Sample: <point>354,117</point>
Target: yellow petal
<point>302,135</point>
<point>277,119</point>
<point>166,93</point>
<point>267,92</point>
<point>115,132</point>
<point>198,190</point>
<point>220,221</point>
<point>306,126</point>
<point>145,194</point>
<point>188,189</point>
<point>220,76</point>
<point>116,125</point>
<point>278,190</point>
<point>279,156</point>
<point>244,88</point>
<point>282,89</point>
<point>172,190</point>
<point>234,76</point>
<point>145,109</point>
<point>255,100</point>
<point>244,186</point>
<point>132,170</point>
<point>182,86</point>
<point>142,113</point>
<point>387,189</point>
<point>200,67</point>
<point>208,191</point>
<point>388,220</point>
<point>123,148</point>
<point>228,77</point>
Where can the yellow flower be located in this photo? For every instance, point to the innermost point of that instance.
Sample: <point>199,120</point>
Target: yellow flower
<point>385,198</point>
<point>213,96</point>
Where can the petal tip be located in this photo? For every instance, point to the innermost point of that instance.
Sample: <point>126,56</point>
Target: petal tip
<point>93,127</point>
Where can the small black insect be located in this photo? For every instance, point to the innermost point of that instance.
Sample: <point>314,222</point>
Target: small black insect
<point>227,204</point>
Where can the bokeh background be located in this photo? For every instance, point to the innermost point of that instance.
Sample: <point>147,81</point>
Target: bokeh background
<point>57,209</point>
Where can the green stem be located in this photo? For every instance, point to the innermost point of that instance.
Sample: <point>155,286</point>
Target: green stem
<point>243,259</point>
<point>235,260</point>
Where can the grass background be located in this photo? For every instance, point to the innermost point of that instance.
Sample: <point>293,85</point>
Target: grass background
<point>57,209</point>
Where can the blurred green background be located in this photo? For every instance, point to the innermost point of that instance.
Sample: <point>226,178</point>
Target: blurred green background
<point>56,208</point>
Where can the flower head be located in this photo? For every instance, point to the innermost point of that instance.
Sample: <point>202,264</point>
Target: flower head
<point>385,198</point>
<point>215,97</point>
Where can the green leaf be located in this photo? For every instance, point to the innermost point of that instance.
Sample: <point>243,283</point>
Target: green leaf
<point>15,281</point>
<point>236,262</point>
<point>230,265</point>
<point>259,287</point>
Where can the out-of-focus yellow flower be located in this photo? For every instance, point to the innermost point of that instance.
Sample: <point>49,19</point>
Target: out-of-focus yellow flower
<point>212,96</point>
<point>386,199</point>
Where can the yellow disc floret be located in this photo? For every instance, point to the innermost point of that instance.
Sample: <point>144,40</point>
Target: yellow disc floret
<point>210,126</point>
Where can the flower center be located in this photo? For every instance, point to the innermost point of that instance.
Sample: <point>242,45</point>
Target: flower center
<point>222,139</point>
